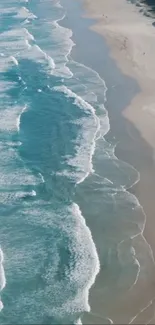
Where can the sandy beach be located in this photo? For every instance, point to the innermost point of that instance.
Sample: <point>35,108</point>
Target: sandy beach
<point>131,40</point>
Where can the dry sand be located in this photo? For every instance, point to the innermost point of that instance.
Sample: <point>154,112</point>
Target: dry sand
<point>131,38</point>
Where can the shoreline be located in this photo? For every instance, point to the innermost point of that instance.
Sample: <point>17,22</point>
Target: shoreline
<point>123,88</point>
<point>141,111</point>
<point>118,24</point>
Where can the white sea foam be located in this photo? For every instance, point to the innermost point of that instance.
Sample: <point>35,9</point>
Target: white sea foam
<point>85,144</point>
<point>14,60</point>
<point>63,37</point>
<point>18,119</point>
<point>95,267</point>
<point>17,34</point>
<point>8,10</point>
<point>13,173</point>
<point>20,194</point>
<point>58,5</point>
<point>94,87</point>
<point>25,13</point>
<point>26,1</point>
<point>15,44</point>
<point>78,322</point>
<point>27,44</point>
<point>33,193</point>
<point>26,21</point>
<point>82,248</point>
<point>29,36</point>
<point>87,262</point>
<point>47,57</point>
<point>2,274</point>
<point>42,178</point>
<point>50,61</point>
<point>10,118</point>
<point>57,57</point>
<point>82,264</point>
<point>17,178</point>
<point>1,305</point>
<point>79,101</point>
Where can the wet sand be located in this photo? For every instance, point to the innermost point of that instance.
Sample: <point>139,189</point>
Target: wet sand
<point>131,39</point>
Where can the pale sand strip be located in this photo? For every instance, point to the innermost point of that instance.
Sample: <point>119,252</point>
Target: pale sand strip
<point>131,38</point>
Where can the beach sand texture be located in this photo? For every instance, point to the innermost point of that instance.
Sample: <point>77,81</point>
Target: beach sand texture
<point>131,39</point>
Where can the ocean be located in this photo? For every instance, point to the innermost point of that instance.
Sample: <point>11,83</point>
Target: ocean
<point>65,212</point>
<point>147,7</point>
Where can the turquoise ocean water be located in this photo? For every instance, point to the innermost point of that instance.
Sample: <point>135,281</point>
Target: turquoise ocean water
<point>64,208</point>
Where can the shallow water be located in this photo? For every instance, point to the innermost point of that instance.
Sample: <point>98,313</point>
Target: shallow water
<point>147,7</point>
<point>65,211</point>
